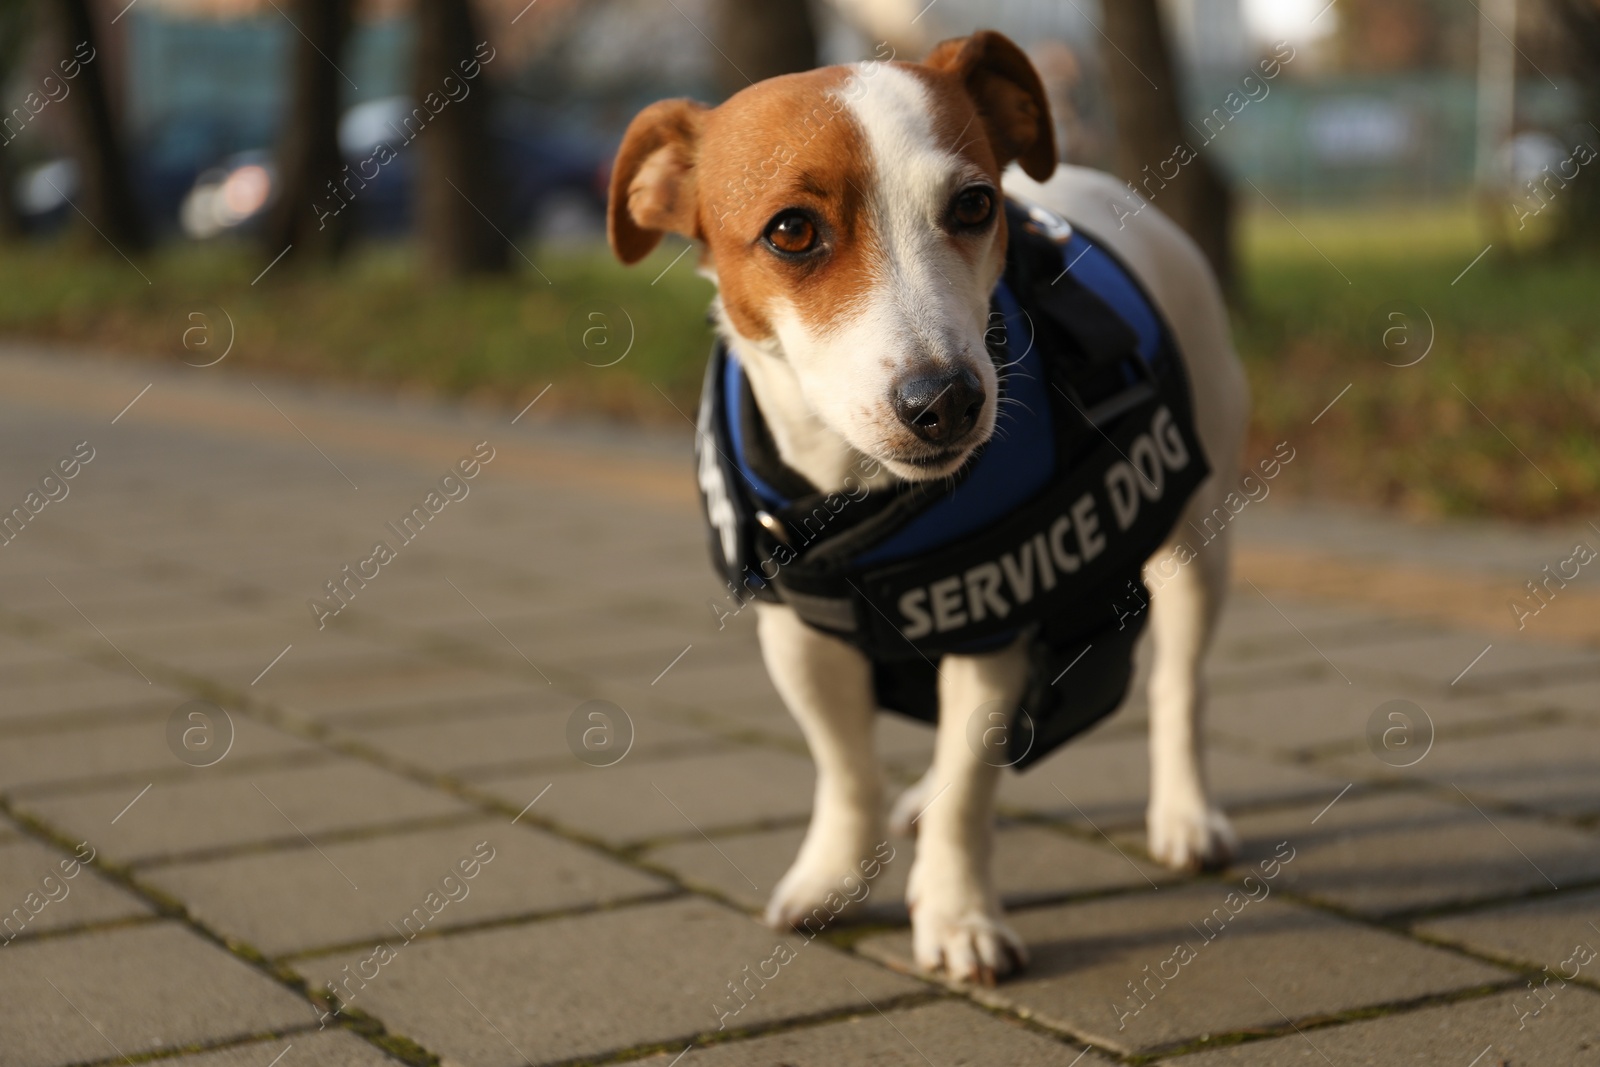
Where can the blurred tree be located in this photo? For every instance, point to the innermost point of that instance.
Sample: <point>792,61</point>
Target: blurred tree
<point>16,34</point>
<point>1405,36</point>
<point>1580,229</point>
<point>105,195</point>
<point>761,39</point>
<point>1150,124</point>
<point>458,188</point>
<point>309,213</point>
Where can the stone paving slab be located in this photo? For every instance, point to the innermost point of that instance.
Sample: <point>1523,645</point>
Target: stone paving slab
<point>239,653</point>
<point>270,806</point>
<point>328,697</point>
<point>532,600</point>
<point>112,993</point>
<point>87,757</point>
<point>1109,783</point>
<point>641,663</point>
<point>740,688</point>
<point>1296,718</point>
<point>948,1034</point>
<point>328,1048</point>
<point>261,633</point>
<point>240,665</point>
<point>1253,628</point>
<point>648,655</point>
<point>519,698</point>
<point>116,609</point>
<point>20,655</point>
<point>1545,932</point>
<point>590,574</point>
<point>492,744</point>
<point>1499,547</point>
<point>58,666</point>
<point>379,708</point>
<point>421,596</point>
<point>130,611</point>
<point>1226,677</point>
<point>1484,1032</point>
<point>640,801</point>
<point>650,634</point>
<point>434,609</point>
<point>44,889</point>
<point>1393,853</point>
<point>305,663</point>
<point>1031,863</point>
<point>97,585</point>
<point>291,901</point>
<point>51,700</point>
<point>1554,769</point>
<point>759,714</point>
<point>591,984</point>
<point>1090,959</point>
<point>904,743</point>
<point>1578,696</point>
<point>1437,659</point>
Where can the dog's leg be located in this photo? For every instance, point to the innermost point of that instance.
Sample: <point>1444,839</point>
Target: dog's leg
<point>909,804</point>
<point>956,921</point>
<point>1185,830</point>
<point>827,686</point>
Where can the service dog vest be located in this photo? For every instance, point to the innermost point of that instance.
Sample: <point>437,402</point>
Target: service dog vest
<point>1041,535</point>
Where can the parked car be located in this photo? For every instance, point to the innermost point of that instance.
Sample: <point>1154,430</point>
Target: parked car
<point>206,178</point>
<point>543,172</point>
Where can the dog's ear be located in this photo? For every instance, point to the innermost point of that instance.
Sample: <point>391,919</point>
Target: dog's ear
<point>653,179</point>
<point>1009,96</point>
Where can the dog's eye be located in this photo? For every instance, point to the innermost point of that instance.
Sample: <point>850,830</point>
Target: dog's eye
<point>972,207</point>
<point>792,233</point>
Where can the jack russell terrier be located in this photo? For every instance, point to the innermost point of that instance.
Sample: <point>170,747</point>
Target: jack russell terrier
<point>897,354</point>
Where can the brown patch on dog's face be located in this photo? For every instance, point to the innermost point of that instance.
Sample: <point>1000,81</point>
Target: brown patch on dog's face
<point>784,159</point>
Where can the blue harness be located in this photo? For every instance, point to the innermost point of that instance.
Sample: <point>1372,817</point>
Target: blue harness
<point>1043,533</point>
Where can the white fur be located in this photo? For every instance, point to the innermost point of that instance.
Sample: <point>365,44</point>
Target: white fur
<point>930,305</point>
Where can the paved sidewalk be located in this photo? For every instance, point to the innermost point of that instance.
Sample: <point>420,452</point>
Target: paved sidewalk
<point>212,810</point>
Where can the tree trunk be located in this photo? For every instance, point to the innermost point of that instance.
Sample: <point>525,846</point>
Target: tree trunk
<point>1579,202</point>
<point>460,198</point>
<point>16,35</point>
<point>314,209</point>
<point>1150,126</point>
<point>11,229</point>
<point>105,194</point>
<point>762,39</point>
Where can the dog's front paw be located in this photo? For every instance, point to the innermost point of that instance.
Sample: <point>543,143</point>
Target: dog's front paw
<point>1190,837</point>
<point>956,929</point>
<point>824,884</point>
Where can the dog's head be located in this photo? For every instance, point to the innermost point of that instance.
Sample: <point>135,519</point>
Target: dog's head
<point>852,219</point>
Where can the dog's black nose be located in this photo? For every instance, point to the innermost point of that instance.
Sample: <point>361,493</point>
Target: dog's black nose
<point>941,410</point>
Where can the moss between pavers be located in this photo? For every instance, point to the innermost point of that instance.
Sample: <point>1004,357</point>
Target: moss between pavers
<point>1323,1022</point>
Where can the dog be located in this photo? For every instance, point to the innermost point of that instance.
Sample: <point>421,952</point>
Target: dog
<point>850,219</point>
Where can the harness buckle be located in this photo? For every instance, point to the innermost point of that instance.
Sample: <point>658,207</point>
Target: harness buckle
<point>1047,223</point>
<point>769,522</point>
